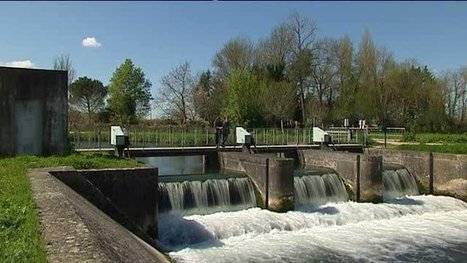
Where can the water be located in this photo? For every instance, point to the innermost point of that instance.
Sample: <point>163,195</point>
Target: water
<point>415,229</point>
<point>397,183</point>
<point>203,197</point>
<point>319,189</point>
<point>176,165</point>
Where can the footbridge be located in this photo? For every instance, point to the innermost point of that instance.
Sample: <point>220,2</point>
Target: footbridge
<point>203,150</point>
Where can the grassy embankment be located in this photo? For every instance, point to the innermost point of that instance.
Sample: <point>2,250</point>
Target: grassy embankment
<point>20,239</point>
<point>430,142</point>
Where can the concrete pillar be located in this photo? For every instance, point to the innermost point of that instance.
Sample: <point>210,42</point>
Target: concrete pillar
<point>371,179</point>
<point>273,177</point>
<point>280,184</point>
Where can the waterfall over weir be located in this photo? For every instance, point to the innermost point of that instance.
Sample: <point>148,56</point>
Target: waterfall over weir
<point>204,197</point>
<point>319,189</point>
<point>398,183</point>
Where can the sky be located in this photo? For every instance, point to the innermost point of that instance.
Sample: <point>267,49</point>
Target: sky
<point>158,36</point>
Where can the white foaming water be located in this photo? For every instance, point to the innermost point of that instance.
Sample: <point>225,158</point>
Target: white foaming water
<point>398,183</point>
<point>319,189</point>
<point>213,195</point>
<point>420,228</point>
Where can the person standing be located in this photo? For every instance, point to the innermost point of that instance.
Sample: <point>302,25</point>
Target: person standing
<point>225,130</point>
<point>218,124</point>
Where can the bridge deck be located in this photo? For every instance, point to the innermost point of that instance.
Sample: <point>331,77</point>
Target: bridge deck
<point>196,150</point>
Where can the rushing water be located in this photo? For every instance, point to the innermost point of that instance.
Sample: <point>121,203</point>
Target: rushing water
<point>209,196</point>
<point>398,183</point>
<point>419,228</point>
<point>319,189</point>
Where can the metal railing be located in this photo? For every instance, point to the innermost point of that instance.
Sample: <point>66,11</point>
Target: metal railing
<point>146,137</point>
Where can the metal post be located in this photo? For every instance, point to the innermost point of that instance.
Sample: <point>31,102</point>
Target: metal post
<point>358,178</point>
<point>99,138</point>
<point>431,173</point>
<point>266,201</point>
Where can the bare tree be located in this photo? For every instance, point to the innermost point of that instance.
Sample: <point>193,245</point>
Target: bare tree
<point>304,34</point>
<point>238,53</point>
<point>277,48</point>
<point>63,62</point>
<point>175,97</point>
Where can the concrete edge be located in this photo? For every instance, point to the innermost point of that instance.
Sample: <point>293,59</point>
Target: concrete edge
<point>74,230</point>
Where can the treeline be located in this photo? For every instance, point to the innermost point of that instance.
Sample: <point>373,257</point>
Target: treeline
<point>126,100</point>
<point>292,75</point>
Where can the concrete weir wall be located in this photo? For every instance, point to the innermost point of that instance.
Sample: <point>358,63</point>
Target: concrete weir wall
<point>273,177</point>
<point>362,173</point>
<point>127,195</point>
<point>80,223</point>
<point>438,173</point>
<point>33,111</point>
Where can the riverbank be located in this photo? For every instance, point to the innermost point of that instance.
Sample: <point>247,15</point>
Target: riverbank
<point>20,236</point>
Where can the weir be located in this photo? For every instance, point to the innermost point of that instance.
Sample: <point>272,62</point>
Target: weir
<point>205,197</point>
<point>319,189</point>
<point>398,182</point>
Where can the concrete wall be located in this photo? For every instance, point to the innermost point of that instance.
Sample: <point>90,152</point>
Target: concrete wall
<point>75,230</point>
<point>362,173</point>
<point>127,195</point>
<point>438,173</point>
<point>273,177</point>
<point>33,111</point>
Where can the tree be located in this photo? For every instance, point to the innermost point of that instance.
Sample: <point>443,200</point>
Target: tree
<point>129,93</point>
<point>243,101</point>
<point>63,62</point>
<point>344,51</point>
<point>176,95</point>
<point>277,48</point>
<point>88,95</point>
<point>279,99</point>
<point>208,97</point>
<point>238,53</point>
<point>304,34</point>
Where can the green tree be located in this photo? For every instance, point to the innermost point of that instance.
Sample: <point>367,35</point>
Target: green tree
<point>243,99</point>
<point>278,100</point>
<point>88,95</point>
<point>129,93</point>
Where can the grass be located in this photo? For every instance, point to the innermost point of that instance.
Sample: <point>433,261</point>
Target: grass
<point>441,138</point>
<point>445,148</point>
<point>20,238</point>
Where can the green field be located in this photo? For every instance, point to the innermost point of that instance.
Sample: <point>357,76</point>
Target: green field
<point>20,239</point>
<point>445,148</point>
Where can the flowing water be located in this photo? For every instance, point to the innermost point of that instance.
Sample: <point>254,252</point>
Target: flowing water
<point>415,229</point>
<point>203,197</point>
<point>319,189</point>
<point>214,220</point>
<point>398,183</point>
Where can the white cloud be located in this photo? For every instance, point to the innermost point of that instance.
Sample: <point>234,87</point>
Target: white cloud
<point>18,64</point>
<point>90,42</point>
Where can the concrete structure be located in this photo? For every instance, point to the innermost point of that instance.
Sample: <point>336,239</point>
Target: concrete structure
<point>75,230</point>
<point>362,173</point>
<point>437,173</point>
<point>273,177</point>
<point>33,111</point>
<point>127,195</point>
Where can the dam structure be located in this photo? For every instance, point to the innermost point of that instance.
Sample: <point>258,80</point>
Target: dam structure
<point>326,223</point>
<point>292,205</point>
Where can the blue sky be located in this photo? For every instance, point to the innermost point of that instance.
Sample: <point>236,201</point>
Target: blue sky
<point>158,36</point>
